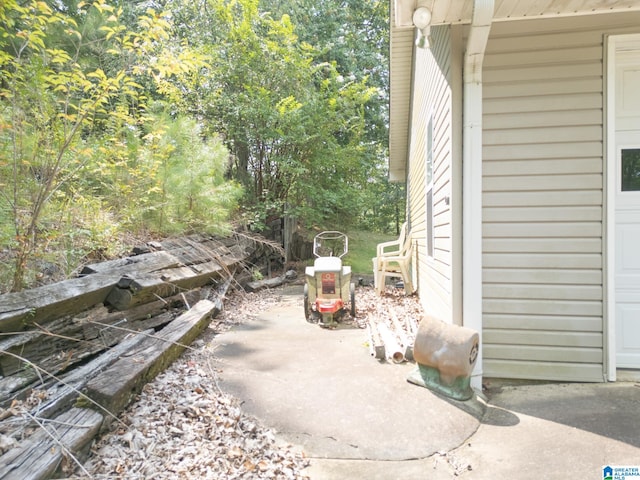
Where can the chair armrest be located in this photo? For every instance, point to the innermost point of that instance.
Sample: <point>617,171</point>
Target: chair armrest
<point>393,243</point>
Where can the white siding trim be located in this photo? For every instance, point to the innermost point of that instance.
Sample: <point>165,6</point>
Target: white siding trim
<point>610,227</point>
<point>610,195</point>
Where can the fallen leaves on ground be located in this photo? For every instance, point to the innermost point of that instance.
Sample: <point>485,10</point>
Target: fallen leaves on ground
<point>182,426</point>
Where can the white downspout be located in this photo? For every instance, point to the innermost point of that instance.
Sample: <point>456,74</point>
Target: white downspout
<point>472,174</point>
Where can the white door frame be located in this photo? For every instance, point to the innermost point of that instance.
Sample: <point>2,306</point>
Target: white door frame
<point>610,220</point>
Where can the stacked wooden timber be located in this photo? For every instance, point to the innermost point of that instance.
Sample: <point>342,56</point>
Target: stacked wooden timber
<point>75,353</point>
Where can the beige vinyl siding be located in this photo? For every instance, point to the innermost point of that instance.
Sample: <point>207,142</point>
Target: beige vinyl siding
<point>543,210</point>
<point>543,200</point>
<point>432,99</point>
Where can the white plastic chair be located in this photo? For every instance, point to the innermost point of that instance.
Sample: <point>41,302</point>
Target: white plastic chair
<point>394,260</point>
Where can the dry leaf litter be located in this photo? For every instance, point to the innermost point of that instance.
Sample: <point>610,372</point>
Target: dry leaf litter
<point>182,426</point>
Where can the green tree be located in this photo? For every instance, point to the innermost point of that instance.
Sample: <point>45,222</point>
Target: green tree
<point>73,107</point>
<point>354,35</point>
<point>48,99</point>
<point>295,125</point>
<point>192,193</point>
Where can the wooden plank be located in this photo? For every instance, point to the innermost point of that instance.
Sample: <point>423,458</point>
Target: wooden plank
<point>18,310</point>
<point>117,385</point>
<point>137,289</point>
<point>62,392</point>
<point>195,253</point>
<point>41,454</point>
<point>146,262</point>
<point>175,253</point>
<point>113,326</point>
<point>265,283</point>
<point>65,342</point>
<point>61,338</point>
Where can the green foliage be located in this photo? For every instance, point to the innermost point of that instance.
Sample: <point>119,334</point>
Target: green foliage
<point>81,159</point>
<point>125,117</point>
<point>362,248</point>
<point>353,35</point>
<point>192,193</point>
<point>48,99</point>
<point>295,118</point>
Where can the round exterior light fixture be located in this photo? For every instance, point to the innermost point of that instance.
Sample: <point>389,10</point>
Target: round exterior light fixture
<point>422,17</point>
<point>422,21</point>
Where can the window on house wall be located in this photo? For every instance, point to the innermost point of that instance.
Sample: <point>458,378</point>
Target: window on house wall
<point>630,169</point>
<point>428,168</point>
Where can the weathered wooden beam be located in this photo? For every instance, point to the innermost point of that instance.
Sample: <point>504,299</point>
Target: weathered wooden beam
<point>136,289</point>
<point>147,262</point>
<point>40,455</point>
<point>18,310</point>
<point>62,343</point>
<point>172,254</point>
<point>136,318</point>
<point>254,286</point>
<point>63,391</point>
<point>265,283</point>
<point>114,388</point>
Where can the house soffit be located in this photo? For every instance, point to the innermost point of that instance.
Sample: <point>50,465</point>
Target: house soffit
<point>459,11</point>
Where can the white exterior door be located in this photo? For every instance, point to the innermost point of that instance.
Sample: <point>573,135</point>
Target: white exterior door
<point>627,203</point>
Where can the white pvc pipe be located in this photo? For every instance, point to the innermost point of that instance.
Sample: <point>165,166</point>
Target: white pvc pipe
<point>376,348</point>
<point>392,348</point>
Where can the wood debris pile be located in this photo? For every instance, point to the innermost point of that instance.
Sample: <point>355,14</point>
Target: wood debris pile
<point>77,352</point>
